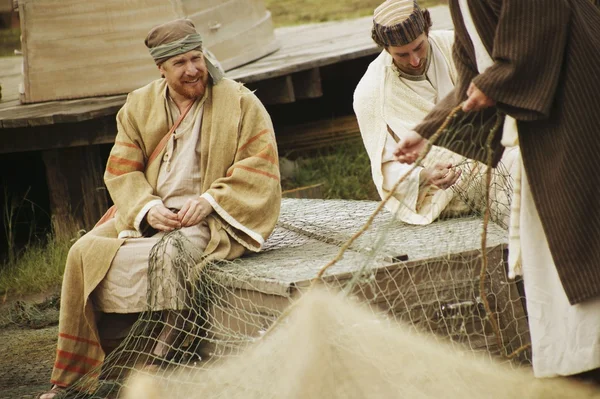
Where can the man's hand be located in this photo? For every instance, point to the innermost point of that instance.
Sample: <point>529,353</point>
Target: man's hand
<point>476,100</point>
<point>194,211</point>
<point>409,148</point>
<point>441,175</point>
<point>162,219</point>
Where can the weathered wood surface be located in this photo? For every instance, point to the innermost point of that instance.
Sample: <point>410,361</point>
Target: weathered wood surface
<point>10,76</point>
<point>78,197</point>
<point>96,48</point>
<point>318,134</point>
<point>6,5</point>
<point>302,48</point>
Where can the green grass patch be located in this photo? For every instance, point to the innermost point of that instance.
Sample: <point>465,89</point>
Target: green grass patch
<point>37,268</point>
<point>344,171</point>
<point>293,12</point>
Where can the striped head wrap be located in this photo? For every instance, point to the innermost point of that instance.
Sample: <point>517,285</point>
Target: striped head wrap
<point>178,37</point>
<point>398,22</point>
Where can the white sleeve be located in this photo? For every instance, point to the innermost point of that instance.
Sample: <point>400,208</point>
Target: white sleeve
<point>407,192</point>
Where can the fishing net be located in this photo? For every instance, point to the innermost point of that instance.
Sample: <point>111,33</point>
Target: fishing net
<point>328,346</point>
<point>416,311</point>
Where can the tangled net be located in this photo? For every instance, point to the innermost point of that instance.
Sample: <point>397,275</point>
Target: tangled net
<point>416,311</point>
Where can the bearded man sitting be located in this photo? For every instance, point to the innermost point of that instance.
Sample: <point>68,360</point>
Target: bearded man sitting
<point>194,152</point>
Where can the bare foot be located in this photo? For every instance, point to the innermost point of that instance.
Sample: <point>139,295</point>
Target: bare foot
<point>53,392</point>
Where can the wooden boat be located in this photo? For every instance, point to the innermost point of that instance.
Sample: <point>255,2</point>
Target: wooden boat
<point>78,48</point>
<point>424,276</point>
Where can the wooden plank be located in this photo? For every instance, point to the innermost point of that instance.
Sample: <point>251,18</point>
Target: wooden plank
<point>6,6</point>
<point>101,130</point>
<point>307,84</point>
<point>78,197</point>
<point>10,70</point>
<point>317,135</point>
<point>279,90</point>
<point>63,41</point>
<point>313,45</point>
<point>302,48</point>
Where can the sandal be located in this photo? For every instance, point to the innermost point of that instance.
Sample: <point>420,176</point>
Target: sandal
<point>52,393</point>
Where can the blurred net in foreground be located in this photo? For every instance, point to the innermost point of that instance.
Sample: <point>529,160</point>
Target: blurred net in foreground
<point>328,346</point>
<point>446,280</point>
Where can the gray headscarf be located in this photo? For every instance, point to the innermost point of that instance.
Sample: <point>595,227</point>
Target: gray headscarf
<point>178,37</point>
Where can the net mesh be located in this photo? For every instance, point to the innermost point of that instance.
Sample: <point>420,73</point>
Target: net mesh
<point>444,285</point>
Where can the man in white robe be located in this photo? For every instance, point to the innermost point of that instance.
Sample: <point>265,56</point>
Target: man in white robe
<point>400,87</point>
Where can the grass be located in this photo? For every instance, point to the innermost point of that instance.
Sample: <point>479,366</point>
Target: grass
<point>293,12</point>
<point>345,173</point>
<point>37,268</point>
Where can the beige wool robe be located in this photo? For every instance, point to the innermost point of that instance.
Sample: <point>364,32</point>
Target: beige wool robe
<point>125,287</point>
<point>240,178</point>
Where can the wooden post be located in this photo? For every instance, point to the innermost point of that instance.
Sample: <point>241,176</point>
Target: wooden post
<point>307,84</point>
<point>278,90</point>
<point>77,193</point>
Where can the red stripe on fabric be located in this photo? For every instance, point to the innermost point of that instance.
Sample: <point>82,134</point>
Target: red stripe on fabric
<point>72,369</point>
<point>125,144</point>
<point>260,172</point>
<point>264,155</point>
<point>122,161</point>
<point>79,339</point>
<point>116,172</point>
<point>81,358</point>
<point>253,139</point>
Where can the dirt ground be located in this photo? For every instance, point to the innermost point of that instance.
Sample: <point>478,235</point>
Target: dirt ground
<point>28,333</point>
<point>26,358</point>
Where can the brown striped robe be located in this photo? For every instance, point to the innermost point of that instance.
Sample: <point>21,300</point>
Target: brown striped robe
<point>546,56</point>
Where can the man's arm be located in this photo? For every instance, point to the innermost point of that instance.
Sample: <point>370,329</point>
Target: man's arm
<point>465,138</point>
<point>528,53</point>
<point>125,178</point>
<point>466,71</point>
<point>247,199</point>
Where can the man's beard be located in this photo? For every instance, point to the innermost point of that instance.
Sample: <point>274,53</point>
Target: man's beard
<point>196,91</point>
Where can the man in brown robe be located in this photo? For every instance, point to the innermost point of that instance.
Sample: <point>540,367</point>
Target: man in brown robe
<point>545,54</point>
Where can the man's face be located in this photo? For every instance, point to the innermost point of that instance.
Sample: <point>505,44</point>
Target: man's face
<point>186,74</point>
<point>412,57</point>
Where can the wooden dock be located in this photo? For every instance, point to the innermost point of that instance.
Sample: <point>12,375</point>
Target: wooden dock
<point>303,48</point>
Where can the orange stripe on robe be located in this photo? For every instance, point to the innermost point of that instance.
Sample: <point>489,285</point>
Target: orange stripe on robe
<point>268,154</point>
<point>253,170</point>
<point>79,339</point>
<point>124,144</point>
<point>253,139</point>
<point>114,160</point>
<point>80,358</point>
<point>73,369</point>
